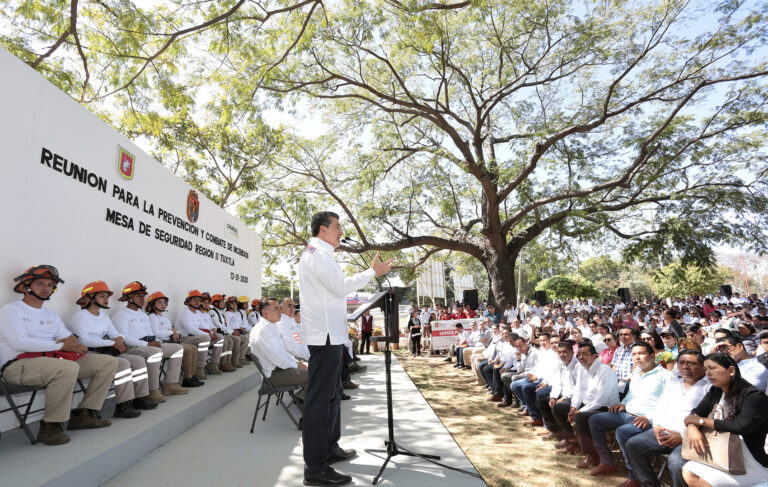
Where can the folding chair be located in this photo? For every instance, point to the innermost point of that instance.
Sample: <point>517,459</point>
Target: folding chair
<point>268,389</point>
<point>664,459</point>
<point>8,391</point>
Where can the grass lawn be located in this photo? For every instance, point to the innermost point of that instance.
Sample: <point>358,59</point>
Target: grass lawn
<point>505,451</point>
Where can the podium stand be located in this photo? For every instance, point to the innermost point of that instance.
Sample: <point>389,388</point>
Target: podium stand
<point>388,302</point>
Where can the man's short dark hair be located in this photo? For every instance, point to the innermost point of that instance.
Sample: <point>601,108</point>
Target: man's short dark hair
<point>699,356</point>
<point>694,328</point>
<point>646,346</point>
<point>266,302</point>
<point>764,335</point>
<point>322,219</point>
<point>635,333</point>
<point>588,344</point>
<point>545,334</point>
<point>724,331</point>
<point>566,343</point>
<point>458,325</point>
<point>732,340</point>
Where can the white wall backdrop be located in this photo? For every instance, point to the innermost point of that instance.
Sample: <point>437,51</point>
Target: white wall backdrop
<point>49,217</point>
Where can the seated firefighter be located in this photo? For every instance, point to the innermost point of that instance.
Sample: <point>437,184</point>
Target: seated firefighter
<point>33,340</point>
<point>133,323</point>
<point>194,356</point>
<point>95,330</point>
<point>267,345</point>
<point>196,327</point>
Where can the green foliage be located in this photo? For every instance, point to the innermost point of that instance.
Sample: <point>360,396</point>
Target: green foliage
<point>568,287</point>
<point>677,280</point>
<point>486,128</point>
<point>279,286</point>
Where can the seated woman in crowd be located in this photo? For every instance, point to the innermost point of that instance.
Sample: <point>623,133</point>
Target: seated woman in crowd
<point>748,335</point>
<point>611,343</point>
<point>739,408</point>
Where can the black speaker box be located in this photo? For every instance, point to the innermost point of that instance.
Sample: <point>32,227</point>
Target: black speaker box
<point>624,295</point>
<point>726,290</point>
<point>470,298</point>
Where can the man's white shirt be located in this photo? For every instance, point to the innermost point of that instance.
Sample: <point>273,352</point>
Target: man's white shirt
<point>323,290</point>
<point>289,332</point>
<point>267,344</point>
<point>596,387</point>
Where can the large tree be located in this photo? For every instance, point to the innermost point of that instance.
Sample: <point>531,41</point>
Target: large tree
<point>481,127</point>
<point>470,126</point>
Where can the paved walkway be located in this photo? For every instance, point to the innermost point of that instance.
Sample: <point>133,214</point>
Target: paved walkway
<point>221,451</point>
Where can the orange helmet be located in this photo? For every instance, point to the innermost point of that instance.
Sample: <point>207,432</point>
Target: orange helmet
<point>132,288</point>
<point>152,300</point>
<point>90,289</point>
<point>255,302</point>
<point>36,272</point>
<point>217,297</point>
<point>192,294</point>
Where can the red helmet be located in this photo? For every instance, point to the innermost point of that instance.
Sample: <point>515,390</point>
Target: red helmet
<point>217,297</point>
<point>133,288</point>
<point>153,298</point>
<point>255,303</point>
<point>90,289</point>
<point>36,272</point>
<point>192,294</point>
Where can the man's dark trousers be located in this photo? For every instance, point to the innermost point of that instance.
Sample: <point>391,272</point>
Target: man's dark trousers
<point>321,428</point>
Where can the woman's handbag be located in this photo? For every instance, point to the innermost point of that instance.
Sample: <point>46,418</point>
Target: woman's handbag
<point>723,452</point>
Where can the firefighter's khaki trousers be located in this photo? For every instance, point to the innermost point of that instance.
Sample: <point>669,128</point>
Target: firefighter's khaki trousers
<point>59,376</point>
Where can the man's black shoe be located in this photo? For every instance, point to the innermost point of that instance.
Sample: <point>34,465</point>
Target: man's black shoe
<point>192,382</point>
<point>340,455</point>
<point>345,397</point>
<point>144,403</point>
<point>329,477</point>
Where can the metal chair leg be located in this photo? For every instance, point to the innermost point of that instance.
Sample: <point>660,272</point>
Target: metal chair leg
<point>266,408</point>
<point>255,413</point>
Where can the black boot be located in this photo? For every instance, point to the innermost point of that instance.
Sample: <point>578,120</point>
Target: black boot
<point>126,410</point>
<point>144,403</point>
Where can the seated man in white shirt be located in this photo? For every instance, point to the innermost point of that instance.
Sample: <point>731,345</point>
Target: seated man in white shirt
<point>267,346</point>
<point>197,326</point>
<point>95,330</point>
<point>481,338</point>
<point>595,391</point>
<point>751,369</point>
<point>236,332</point>
<point>631,416</point>
<point>36,349</point>
<point>289,331</point>
<point>682,392</point>
<point>134,325</point>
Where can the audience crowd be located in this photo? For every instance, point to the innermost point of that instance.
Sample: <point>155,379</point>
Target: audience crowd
<point>648,378</point>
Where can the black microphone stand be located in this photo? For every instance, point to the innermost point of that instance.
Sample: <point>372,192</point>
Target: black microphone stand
<point>391,315</point>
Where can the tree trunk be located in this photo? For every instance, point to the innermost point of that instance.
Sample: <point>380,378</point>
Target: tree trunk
<point>501,276</point>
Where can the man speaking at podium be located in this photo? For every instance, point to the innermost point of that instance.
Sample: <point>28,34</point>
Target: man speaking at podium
<point>322,291</point>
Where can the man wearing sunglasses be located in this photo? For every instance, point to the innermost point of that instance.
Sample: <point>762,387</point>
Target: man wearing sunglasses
<point>33,340</point>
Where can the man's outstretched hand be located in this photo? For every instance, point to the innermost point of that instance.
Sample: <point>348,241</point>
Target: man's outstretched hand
<point>381,268</point>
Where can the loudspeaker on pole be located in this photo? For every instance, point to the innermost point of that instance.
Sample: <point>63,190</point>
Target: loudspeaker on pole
<point>470,298</point>
<point>624,295</point>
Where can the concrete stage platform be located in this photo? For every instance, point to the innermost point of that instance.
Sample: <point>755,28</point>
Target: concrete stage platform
<point>221,451</point>
<point>203,439</point>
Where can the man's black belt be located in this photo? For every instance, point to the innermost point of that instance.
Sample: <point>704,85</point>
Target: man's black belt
<point>105,350</point>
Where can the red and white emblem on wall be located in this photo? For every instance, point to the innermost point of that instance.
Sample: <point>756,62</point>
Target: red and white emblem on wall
<point>125,163</point>
<point>193,206</point>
